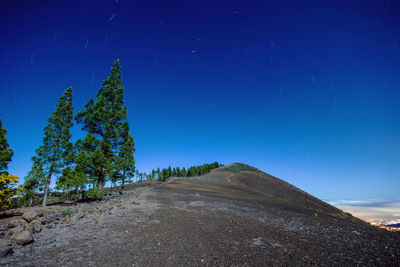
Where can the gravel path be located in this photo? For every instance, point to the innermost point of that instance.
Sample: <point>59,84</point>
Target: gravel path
<point>158,225</point>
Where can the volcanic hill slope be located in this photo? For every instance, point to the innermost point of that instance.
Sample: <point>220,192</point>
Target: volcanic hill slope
<point>233,215</point>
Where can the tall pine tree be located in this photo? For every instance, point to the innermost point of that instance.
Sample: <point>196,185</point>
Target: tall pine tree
<point>56,148</point>
<point>105,119</point>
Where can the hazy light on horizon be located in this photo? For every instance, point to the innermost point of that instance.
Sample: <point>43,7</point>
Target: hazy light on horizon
<point>372,210</point>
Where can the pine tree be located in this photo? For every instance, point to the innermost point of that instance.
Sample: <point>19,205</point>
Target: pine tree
<point>64,181</point>
<point>169,172</point>
<point>56,148</point>
<point>91,160</point>
<point>126,160</point>
<point>5,152</point>
<point>34,180</point>
<point>164,174</point>
<point>106,120</point>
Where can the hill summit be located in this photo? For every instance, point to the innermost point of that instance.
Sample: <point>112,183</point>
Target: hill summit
<point>242,181</point>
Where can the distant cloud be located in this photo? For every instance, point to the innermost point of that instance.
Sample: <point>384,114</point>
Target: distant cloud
<point>366,203</point>
<point>373,210</point>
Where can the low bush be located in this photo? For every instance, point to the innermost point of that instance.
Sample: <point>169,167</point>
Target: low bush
<point>95,193</point>
<point>67,211</point>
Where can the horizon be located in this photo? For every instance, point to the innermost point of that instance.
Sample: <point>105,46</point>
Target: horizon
<point>307,92</point>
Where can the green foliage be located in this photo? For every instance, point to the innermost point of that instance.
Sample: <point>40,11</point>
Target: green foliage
<point>95,193</point>
<point>105,120</point>
<point>240,167</point>
<point>5,152</point>
<point>142,176</point>
<point>164,174</point>
<point>105,153</point>
<point>192,171</point>
<point>33,182</point>
<point>7,189</point>
<point>125,161</point>
<point>91,159</point>
<point>35,179</point>
<point>71,179</point>
<point>8,181</point>
<point>169,172</point>
<point>66,212</point>
<point>56,149</point>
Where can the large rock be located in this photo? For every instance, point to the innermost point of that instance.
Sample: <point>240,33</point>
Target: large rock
<point>19,226</point>
<point>37,227</point>
<point>3,230</point>
<point>37,219</point>
<point>5,247</point>
<point>12,223</point>
<point>30,216</point>
<point>23,238</point>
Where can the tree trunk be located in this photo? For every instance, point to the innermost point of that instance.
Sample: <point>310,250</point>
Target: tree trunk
<point>123,181</point>
<point>46,189</point>
<point>77,192</point>
<point>30,201</point>
<point>81,193</point>
<point>102,180</point>
<point>100,185</point>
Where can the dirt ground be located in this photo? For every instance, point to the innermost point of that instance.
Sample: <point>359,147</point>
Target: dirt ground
<point>201,222</point>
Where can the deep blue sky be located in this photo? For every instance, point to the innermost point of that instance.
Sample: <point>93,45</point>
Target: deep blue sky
<point>304,90</point>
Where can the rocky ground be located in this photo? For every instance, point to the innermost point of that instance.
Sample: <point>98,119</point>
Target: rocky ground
<point>169,224</point>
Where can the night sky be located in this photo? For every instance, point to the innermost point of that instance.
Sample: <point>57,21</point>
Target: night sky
<point>307,91</point>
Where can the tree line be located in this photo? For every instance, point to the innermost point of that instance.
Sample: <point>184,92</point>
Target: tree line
<point>163,174</point>
<point>183,172</point>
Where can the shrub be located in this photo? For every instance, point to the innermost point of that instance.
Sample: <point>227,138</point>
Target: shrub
<point>8,189</point>
<point>95,193</point>
<point>67,211</point>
